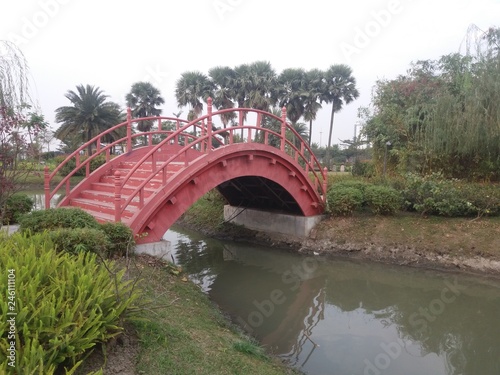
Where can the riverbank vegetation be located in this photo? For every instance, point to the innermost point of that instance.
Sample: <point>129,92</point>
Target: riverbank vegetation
<point>164,325</point>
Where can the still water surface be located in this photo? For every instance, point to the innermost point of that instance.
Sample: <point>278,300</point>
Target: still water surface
<point>342,317</point>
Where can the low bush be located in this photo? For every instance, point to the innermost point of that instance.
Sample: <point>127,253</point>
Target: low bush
<point>344,200</point>
<point>56,218</point>
<point>76,240</point>
<point>65,304</point>
<point>382,200</point>
<point>435,195</point>
<point>363,168</point>
<point>16,205</point>
<point>120,238</point>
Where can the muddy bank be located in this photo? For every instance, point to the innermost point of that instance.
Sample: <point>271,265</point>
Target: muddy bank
<point>458,244</point>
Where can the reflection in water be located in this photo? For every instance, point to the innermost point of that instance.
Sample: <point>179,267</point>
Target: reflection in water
<point>38,197</point>
<point>343,317</point>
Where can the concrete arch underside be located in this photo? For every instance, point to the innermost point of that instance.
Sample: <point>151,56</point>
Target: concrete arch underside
<point>259,178</point>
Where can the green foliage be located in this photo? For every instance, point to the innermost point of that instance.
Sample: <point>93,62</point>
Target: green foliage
<point>363,168</point>
<point>76,240</point>
<point>441,116</point>
<point>436,195</point>
<point>65,304</point>
<point>382,200</point>
<point>120,238</point>
<point>344,200</point>
<point>15,206</point>
<point>55,218</point>
<point>71,164</point>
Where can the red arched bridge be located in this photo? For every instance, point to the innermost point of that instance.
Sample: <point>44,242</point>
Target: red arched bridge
<point>159,174</point>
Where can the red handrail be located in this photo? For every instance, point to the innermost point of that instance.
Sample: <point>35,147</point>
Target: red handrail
<point>311,164</point>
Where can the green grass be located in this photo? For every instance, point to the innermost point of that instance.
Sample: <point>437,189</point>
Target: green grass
<point>182,332</point>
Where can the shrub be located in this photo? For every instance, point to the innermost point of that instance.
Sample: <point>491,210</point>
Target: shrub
<point>16,205</point>
<point>363,169</point>
<point>382,200</point>
<point>55,218</point>
<point>65,304</point>
<point>120,238</point>
<point>344,200</point>
<point>435,195</point>
<point>76,240</point>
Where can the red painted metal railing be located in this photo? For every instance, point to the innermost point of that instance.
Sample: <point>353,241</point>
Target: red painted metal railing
<point>125,143</point>
<point>286,140</point>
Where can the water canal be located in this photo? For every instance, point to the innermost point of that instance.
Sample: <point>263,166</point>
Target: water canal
<point>343,317</point>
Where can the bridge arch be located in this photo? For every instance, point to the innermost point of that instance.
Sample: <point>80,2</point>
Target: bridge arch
<point>151,184</point>
<point>280,178</point>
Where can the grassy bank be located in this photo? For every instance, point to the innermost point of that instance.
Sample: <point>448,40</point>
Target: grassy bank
<point>423,236</point>
<point>184,333</point>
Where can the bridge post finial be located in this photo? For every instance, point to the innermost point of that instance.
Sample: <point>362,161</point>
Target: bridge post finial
<point>283,128</point>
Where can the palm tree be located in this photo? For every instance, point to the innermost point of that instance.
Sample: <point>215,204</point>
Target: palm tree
<point>314,87</point>
<point>190,90</point>
<point>89,115</point>
<point>290,92</point>
<point>340,88</point>
<point>223,86</point>
<point>261,83</point>
<point>143,100</point>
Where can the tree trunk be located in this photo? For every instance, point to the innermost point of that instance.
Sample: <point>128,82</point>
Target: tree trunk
<point>310,131</point>
<point>331,126</point>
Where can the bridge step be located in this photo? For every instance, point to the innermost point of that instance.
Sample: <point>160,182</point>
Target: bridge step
<point>110,188</point>
<point>134,181</point>
<point>106,196</point>
<point>99,207</point>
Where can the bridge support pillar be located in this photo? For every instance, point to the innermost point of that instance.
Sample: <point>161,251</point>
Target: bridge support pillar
<point>160,249</point>
<point>271,222</point>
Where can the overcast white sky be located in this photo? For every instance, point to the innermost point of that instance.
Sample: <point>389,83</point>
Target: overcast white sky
<point>112,44</point>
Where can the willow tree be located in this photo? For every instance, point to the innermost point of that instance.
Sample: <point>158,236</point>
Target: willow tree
<point>17,125</point>
<point>443,115</point>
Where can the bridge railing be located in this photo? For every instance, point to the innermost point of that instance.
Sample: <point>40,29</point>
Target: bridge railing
<point>101,148</point>
<point>286,139</point>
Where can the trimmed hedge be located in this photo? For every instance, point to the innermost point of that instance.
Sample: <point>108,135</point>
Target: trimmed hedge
<point>55,218</point>
<point>382,200</point>
<point>344,200</point>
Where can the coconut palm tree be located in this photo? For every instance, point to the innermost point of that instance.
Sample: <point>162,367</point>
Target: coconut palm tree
<point>143,99</point>
<point>191,89</point>
<point>314,87</point>
<point>340,88</point>
<point>89,114</point>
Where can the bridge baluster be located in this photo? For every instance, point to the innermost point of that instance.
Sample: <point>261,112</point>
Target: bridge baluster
<point>46,187</point>
<point>209,125</point>
<point>129,130</point>
<point>283,128</point>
